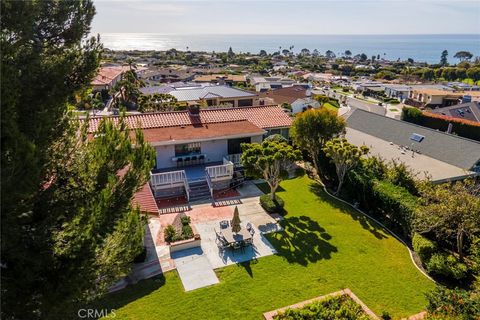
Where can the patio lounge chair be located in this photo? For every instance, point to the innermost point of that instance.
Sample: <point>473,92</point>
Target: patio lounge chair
<point>201,158</point>
<point>187,161</point>
<point>179,162</point>
<point>194,160</point>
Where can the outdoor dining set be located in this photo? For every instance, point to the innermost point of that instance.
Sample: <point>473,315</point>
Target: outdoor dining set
<point>227,239</point>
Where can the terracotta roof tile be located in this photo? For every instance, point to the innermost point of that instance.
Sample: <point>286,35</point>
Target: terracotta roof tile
<point>145,200</point>
<point>264,117</point>
<point>198,132</point>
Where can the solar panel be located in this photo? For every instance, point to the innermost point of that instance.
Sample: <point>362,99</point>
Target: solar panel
<point>417,137</point>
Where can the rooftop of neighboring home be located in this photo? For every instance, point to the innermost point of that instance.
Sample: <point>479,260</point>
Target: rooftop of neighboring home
<point>428,152</point>
<point>167,73</point>
<point>108,74</point>
<point>398,87</point>
<point>217,120</point>
<point>467,111</point>
<point>286,95</point>
<point>259,79</point>
<point>463,86</point>
<point>216,77</point>
<point>193,92</point>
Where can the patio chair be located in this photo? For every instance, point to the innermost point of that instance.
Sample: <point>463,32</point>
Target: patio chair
<point>249,226</point>
<point>236,246</point>
<point>249,241</point>
<point>194,160</point>
<point>252,232</point>
<point>179,162</point>
<point>224,224</point>
<point>186,161</point>
<point>201,159</point>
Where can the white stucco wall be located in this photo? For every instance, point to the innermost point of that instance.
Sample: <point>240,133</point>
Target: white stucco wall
<point>214,150</point>
<point>164,156</point>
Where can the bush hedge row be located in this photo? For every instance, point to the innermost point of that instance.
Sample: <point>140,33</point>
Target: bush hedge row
<point>439,122</point>
<point>272,206</point>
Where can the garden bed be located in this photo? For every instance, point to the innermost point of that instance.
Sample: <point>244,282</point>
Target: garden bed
<point>324,307</point>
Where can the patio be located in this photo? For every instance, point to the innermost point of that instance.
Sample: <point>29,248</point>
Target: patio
<point>193,172</point>
<point>223,257</point>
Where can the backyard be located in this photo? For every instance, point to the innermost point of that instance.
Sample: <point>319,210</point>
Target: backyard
<point>326,246</point>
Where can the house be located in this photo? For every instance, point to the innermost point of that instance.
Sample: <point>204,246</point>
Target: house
<point>210,95</point>
<point>467,111</point>
<point>107,77</point>
<point>463,86</point>
<point>222,79</point>
<point>269,83</point>
<point>430,153</point>
<point>198,150</point>
<point>397,91</point>
<point>297,96</point>
<point>434,98</point>
<point>166,75</point>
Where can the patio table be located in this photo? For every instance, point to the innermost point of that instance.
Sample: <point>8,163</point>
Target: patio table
<point>232,237</point>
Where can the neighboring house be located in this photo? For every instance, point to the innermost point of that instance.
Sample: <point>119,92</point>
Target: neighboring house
<point>222,79</point>
<point>466,111</point>
<point>397,91</point>
<point>107,77</point>
<point>463,86</point>
<point>269,83</point>
<point>360,86</point>
<point>323,77</point>
<point>430,153</point>
<point>304,104</point>
<point>164,75</point>
<point>297,96</point>
<point>434,98</point>
<point>201,148</point>
<point>210,95</point>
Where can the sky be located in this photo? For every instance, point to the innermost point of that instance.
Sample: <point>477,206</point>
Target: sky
<point>287,17</point>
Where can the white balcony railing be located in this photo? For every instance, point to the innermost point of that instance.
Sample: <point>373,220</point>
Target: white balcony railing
<point>224,171</point>
<point>170,179</point>
<point>234,158</point>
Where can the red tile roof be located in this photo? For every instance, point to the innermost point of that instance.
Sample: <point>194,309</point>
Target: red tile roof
<point>107,74</point>
<point>145,200</point>
<point>205,131</point>
<point>285,95</point>
<point>264,117</point>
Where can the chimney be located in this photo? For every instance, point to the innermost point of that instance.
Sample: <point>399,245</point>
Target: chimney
<point>194,111</point>
<point>450,127</point>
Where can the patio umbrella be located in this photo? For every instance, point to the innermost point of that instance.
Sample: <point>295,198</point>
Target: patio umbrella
<point>236,221</point>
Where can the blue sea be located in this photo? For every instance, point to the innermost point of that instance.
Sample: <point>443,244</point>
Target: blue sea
<point>426,48</point>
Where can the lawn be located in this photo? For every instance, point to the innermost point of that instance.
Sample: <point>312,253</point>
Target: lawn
<point>326,246</point>
<point>330,106</point>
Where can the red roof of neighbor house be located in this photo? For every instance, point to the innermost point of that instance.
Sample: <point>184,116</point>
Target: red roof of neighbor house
<point>285,95</point>
<point>107,74</point>
<point>264,117</point>
<point>202,131</point>
<point>144,199</point>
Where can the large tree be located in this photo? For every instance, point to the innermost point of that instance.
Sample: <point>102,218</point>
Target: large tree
<point>451,211</point>
<point>269,160</point>
<point>157,102</point>
<point>463,55</point>
<point>444,58</point>
<point>311,129</point>
<point>345,156</point>
<point>67,226</point>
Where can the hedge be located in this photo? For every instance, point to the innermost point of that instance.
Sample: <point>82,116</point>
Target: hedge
<point>424,247</point>
<point>396,203</point>
<point>272,206</point>
<point>462,128</point>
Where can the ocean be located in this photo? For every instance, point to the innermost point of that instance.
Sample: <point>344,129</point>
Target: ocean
<point>425,48</point>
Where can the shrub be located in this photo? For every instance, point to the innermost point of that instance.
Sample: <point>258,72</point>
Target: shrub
<point>446,303</point>
<point>185,220</point>
<point>187,232</point>
<point>169,233</point>
<point>272,206</point>
<point>397,203</point>
<point>386,315</point>
<point>446,265</point>
<point>424,247</point>
<point>335,308</point>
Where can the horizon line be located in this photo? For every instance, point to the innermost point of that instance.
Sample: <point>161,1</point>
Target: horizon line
<point>295,34</point>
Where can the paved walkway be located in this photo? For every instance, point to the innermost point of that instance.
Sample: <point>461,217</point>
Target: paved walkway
<point>194,269</point>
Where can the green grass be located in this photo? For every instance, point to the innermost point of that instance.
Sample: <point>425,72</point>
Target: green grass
<point>326,246</point>
<point>330,106</point>
<point>393,109</point>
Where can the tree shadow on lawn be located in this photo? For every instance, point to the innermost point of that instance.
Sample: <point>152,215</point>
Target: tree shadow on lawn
<point>303,241</point>
<point>116,300</point>
<point>365,222</point>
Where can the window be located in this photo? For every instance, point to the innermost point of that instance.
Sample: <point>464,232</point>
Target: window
<point>187,148</point>
<point>234,145</point>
